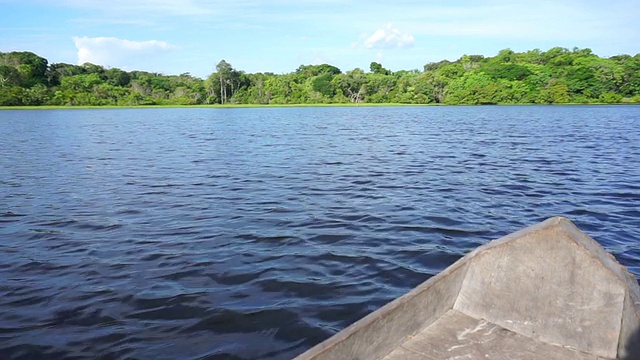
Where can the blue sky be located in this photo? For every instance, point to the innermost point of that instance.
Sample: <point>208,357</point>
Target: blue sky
<point>177,36</point>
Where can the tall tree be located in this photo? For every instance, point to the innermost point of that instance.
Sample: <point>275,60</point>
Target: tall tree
<point>224,74</point>
<point>377,68</point>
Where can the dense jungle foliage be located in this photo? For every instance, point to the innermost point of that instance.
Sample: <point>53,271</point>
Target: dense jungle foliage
<point>556,76</point>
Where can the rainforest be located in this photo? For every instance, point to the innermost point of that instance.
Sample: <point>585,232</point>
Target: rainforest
<point>556,76</point>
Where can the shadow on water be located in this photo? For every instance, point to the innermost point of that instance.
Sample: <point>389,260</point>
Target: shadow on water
<point>632,350</point>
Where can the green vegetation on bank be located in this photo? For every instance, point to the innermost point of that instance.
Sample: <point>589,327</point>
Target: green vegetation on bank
<point>556,76</point>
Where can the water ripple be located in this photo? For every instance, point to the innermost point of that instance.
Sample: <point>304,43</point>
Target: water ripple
<point>257,233</point>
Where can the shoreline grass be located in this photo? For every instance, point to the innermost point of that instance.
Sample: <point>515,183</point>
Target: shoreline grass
<point>240,106</point>
<point>211,106</point>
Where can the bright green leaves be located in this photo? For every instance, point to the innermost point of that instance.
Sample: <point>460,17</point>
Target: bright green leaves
<point>555,76</point>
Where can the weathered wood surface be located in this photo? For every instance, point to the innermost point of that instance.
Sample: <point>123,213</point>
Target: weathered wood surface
<point>458,336</point>
<point>545,292</point>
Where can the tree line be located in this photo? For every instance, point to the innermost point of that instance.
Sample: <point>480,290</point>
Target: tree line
<point>556,76</point>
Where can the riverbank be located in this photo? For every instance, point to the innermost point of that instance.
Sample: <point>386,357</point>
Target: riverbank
<point>241,106</point>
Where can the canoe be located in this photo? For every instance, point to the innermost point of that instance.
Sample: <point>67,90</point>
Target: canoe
<point>548,291</point>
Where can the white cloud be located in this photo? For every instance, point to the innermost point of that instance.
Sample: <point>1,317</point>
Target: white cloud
<point>114,52</point>
<point>388,37</point>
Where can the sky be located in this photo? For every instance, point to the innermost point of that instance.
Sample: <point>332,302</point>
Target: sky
<point>179,36</point>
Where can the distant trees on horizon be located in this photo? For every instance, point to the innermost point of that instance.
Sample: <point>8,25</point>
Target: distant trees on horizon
<point>555,76</point>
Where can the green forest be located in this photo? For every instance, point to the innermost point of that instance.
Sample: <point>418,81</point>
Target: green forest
<point>555,76</point>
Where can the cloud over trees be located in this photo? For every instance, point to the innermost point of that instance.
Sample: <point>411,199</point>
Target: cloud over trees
<point>114,52</point>
<point>389,37</point>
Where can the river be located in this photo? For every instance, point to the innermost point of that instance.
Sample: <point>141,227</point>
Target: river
<point>204,233</point>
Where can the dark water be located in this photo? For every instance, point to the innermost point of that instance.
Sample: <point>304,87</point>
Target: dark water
<point>257,233</point>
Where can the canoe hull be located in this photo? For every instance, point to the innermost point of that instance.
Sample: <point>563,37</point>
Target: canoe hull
<point>550,284</point>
